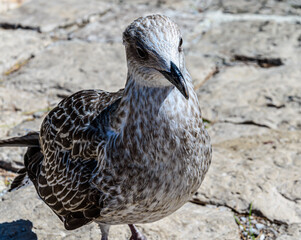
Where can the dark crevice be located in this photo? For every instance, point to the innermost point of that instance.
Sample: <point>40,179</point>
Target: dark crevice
<point>210,202</point>
<point>295,200</point>
<point>80,23</point>
<point>275,106</point>
<point>60,87</point>
<point>296,6</point>
<point>261,62</point>
<point>247,122</point>
<point>255,212</point>
<point>258,213</point>
<point>14,26</point>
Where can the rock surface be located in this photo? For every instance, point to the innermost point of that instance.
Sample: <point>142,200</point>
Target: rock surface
<point>244,58</point>
<point>185,222</point>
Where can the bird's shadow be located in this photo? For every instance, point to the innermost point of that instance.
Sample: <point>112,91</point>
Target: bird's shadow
<point>17,230</point>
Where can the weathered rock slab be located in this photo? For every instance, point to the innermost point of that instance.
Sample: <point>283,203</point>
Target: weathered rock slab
<point>261,169</point>
<point>17,47</point>
<point>190,222</point>
<point>46,16</point>
<point>261,7</point>
<point>65,67</point>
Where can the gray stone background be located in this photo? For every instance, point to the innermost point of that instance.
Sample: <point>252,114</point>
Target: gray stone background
<point>245,59</point>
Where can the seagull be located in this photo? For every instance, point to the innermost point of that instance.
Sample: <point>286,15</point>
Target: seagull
<point>128,157</point>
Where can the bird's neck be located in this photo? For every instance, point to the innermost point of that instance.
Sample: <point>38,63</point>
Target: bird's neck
<point>146,109</point>
<point>153,121</point>
<point>142,98</point>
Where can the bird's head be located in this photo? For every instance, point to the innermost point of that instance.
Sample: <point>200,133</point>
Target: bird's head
<point>154,52</point>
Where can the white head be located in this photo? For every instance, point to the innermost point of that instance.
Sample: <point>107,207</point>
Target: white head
<point>154,52</point>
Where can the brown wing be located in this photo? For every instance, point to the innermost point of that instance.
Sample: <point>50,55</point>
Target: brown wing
<point>75,124</point>
<point>71,137</point>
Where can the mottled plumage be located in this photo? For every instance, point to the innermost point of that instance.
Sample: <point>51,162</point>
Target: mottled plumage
<point>134,156</point>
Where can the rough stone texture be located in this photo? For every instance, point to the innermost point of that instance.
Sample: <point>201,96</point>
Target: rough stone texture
<point>17,46</point>
<point>15,110</point>
<point>184,224</point>
<point>265,180</point>
<point>66,67</point>
<point>289,7</point>
<point>46,15</point>
<point>293,233</point>
<point>252,110</point>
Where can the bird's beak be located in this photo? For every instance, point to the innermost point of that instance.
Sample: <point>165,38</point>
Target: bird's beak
<point>176,78</point>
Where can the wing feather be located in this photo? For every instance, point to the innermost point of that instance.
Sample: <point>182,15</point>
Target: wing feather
<point>76,123</point>
<point>70,138</point>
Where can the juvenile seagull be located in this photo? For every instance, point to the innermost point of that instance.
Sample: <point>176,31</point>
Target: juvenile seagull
<point>134,156</point>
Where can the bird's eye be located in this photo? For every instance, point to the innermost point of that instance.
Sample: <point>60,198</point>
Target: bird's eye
<point>141,52</point>
<point>180,45</point>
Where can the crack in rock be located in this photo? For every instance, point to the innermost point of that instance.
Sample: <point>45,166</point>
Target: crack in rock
<point>77,24</point>
<point>216,18</point>
<point>261,62</point>
<point>247,122</point>
<point>82,22</point>
<point>295,200</point>
<point>18,65</point>
<point>271,105</point>
<point>15,26</point>
<point>255,212</point>
<point>219,17</point>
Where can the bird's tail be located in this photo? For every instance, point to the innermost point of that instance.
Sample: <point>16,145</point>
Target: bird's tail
<point>20,181</point>
<point>30,140</point>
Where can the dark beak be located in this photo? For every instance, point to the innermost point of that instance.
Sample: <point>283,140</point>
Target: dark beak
<point>176,78</point>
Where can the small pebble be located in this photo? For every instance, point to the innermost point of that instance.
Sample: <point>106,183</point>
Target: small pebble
<point>262,237</point>
<point>38,114</point>
<point>243,219</point>
<point>254,231</point>
<point>245,234</point>
<point>3,193</point>
<point>273,231</point>
<point>259,226</point>
<point>241,227</point>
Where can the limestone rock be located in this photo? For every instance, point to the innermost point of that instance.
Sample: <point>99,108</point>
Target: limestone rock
<point>190,222</point>
<point>17,47</point>
<point>64,68</point>
<point>46,16</point>
<point>259,169</point>
<point>270,7</point>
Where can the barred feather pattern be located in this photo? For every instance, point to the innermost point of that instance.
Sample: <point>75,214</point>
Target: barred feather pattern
<point>134,156</point>
<point>72,135</point>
